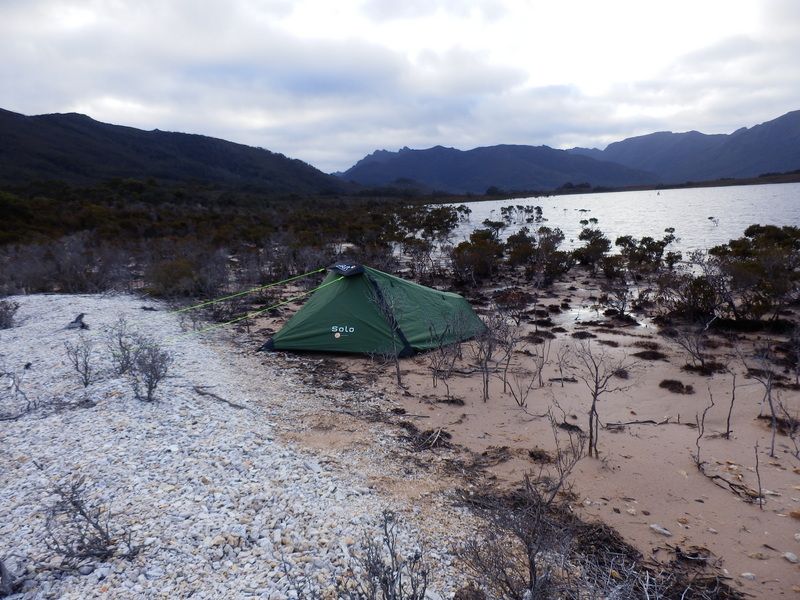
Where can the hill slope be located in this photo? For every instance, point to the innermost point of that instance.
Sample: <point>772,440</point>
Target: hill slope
<point>507,167</point>
<point>773,146</point>
<point>81,151</point>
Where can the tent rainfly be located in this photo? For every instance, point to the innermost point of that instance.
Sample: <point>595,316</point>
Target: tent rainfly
<point>358,309</point>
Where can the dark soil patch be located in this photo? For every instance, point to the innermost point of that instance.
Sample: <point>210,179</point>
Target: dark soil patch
<point>676,387</point>
<point>540,456</point>
<point>583,335</point>
<point>452,401</point>
<point>650,355</point>
<point>778,326</point>
<point>494,455</point>
<point>543,323</point>
<point>708,369</point>
<point>609,343</point>
<point>784,425</point>
<point>540,337</point>
<point>647,345</point>
<point>425,440</point>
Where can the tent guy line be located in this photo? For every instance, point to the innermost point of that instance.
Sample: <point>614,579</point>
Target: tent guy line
<point>210,302</point>
<point>237,319</point>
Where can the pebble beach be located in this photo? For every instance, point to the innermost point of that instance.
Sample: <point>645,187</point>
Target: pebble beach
<point>200,482</point>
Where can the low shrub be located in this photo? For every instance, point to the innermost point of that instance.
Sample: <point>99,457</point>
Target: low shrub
<point>676,387</point>
<point>650,355</point>
<point>7,311</point>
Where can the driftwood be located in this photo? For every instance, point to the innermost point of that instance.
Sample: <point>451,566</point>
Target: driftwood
<point>202,392</point>
<point>745,492</point>
<point>78,323</point>
<point>645,422</point>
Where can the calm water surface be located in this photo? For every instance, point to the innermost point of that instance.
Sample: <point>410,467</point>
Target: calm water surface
<point>702,217</point>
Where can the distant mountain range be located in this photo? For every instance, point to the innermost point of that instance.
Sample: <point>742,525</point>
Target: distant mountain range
<point>509,168</point>
<point>772,147</point>
<point>658,158</point>
<point>81,151</point>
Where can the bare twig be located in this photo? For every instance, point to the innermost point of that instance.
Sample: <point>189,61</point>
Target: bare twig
<point>202,392</point>
<point>762,498</point>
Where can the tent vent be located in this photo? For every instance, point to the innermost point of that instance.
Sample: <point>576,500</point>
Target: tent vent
<point>347,268</point>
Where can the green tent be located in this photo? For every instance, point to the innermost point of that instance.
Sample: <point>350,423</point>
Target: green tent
<point>357,309</point>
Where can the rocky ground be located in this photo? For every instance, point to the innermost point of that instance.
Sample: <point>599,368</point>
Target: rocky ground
<point>209,483</point>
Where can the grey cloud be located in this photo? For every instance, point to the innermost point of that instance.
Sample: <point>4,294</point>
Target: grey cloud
<point>387,10</point>
<point>459,71</point>
<point>230,71</point>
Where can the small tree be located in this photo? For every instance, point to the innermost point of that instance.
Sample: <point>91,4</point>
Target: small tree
<point>81,357</point>
<point>121,344</point>
<point>527,536</point>
<point>443,357</point>
<point>790,416</point>
<point>760,271</point>
<point>759,367</point>
<point>150,367</point>
<point>391,305</point>
<point>78,526</point>
<point>390,574</point>
<point>618,295</point>
<point>15,401</point>
<point>693,342</point>
<point>507,337</point>
<point>596,247</point>
<point>540,359</point>
<point>598,370</point>
<point>484,347</point>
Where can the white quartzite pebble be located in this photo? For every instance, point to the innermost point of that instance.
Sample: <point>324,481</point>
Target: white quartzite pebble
<point>218,506</point>
<point>660,530</point>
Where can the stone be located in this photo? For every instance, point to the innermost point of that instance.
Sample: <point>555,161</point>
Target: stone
<point>660,530</point>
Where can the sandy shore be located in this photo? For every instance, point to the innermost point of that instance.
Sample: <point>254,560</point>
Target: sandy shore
<point>647,473</point>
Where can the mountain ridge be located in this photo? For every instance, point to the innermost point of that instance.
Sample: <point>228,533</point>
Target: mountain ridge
<point>504,166</point>
<point>772,146</point>
<point>656,158</point>
<point>79,150</point>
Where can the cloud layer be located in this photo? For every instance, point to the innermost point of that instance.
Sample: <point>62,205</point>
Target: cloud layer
<point>329,82</point>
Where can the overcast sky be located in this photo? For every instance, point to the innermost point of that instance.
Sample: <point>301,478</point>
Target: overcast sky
<point>330,81</point>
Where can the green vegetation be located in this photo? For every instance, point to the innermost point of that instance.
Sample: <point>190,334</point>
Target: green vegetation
<point>200,241</point>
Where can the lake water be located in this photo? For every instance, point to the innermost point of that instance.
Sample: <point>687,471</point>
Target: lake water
<point>702,217</point>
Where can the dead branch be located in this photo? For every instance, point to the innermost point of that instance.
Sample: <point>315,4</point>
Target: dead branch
<point>202,392</point>
<point>645,422</point>
<point>745,492</point>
